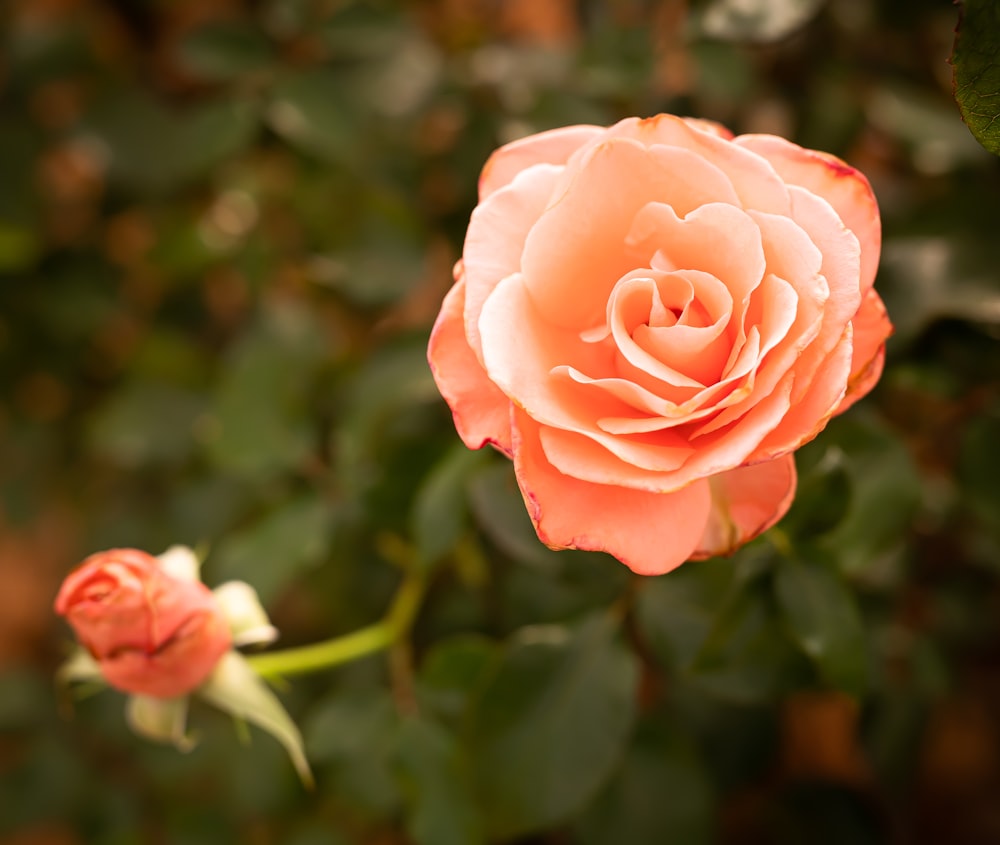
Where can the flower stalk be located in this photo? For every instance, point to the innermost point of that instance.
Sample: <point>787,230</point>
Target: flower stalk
<point>343,649</point>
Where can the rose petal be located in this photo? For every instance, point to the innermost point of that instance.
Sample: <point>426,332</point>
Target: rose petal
<point>495,239</point>
<point>692,243</point>
<point>746,501</point>
<point>629,309</point>
<point>809,415</point>
<point>620,461</point>
<point>709,126</point>
<point>480,409</point>
<point>651,462</point>
<point>840,251</point>
<point>778,313</point>
<point>180,664</point>
<point>871,330</point>
<point>576,251</point>
<point>552,147</point>
<point>752,176</point>
<point>524,357</point>
<point>651,533</point>
<point>845,188</point>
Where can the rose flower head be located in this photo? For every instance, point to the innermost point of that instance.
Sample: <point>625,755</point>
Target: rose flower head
<point>148,626</point>
<point>650,318</point>
<point>150,631</point>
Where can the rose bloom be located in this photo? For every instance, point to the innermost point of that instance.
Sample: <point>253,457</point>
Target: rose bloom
<point>650,318</point>
<point>150,632</point>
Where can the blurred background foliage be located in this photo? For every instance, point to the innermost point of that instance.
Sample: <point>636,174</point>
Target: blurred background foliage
<point>225,230</point>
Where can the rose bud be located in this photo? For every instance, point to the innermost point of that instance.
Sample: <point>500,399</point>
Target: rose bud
<point>650,318</point>
<point>152,628</point>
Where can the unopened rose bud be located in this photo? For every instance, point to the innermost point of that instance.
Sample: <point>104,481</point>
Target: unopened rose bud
<point>150,630</point>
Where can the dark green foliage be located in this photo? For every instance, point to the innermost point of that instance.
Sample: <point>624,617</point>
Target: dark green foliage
<point>225,232</point>
<point>977,70</point>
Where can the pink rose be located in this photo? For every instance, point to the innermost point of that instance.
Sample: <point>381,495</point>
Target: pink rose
<point>151,632</point>
<point>650,318</point>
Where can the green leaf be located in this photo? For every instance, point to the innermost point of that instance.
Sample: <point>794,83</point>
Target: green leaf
<point>275,551</point>
<point>976,60</point>
<point>661,793</point>
<point>551,725</point>
<point>756,20</point>
<point>440,509</point>
<point>824,621</point>
<point>435,779</point>
<point>223,51</point>
<point>234,687</point>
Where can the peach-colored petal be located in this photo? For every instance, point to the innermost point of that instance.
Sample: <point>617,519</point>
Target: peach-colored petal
<point>521,349</point>
<point>845,188</point>
<point>552,147</point>
<point>709,126</point>
<point>692,242</point>
<point>495,238</point>
<point>871,330</point>
<point>746,501</point>
<point>654,412</point>
<point>778,314</point>
<point>824,389</point>
<point>694,180</point>
<point>752,176</point>
<point>576,251</point>
<point>481,411</point>
<point>841,255</point>
<point>696,344</point>
<point>632,305</point>
<point>651,533</point>
<point>620,461</point>
<point>653,462</point>
<point>523,356</point>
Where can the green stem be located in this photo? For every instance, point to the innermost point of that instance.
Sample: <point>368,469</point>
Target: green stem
<point>333,652</point>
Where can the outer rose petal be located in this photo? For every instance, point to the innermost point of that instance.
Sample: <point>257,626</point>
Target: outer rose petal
<point>845,188</point>
<point>179,666</point>
<point>871,329</point>
<point>651,533</point>
<point>495,239</point>
<point>480,409</point>
<point>746,502</point>
<point>552,147</point>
